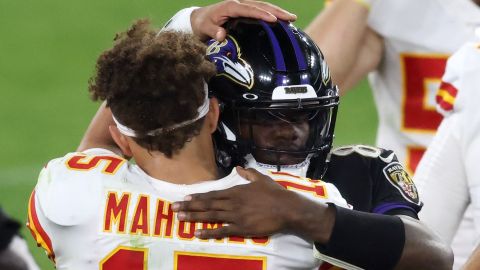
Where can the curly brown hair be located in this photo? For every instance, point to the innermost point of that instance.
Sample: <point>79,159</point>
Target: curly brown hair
<point>152,80</point>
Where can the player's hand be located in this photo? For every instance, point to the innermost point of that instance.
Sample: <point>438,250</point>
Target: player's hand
<point>207,21</point>
<point>260,208</point>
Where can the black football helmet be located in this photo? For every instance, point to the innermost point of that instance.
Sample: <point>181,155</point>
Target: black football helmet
<point>266,73</point>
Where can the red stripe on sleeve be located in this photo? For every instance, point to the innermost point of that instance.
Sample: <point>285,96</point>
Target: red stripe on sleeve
<point>445,105</point>
<point>452,90</point>
<point>38,227</point>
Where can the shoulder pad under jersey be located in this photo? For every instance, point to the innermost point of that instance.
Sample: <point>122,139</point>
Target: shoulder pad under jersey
<point>366,151</point>
<point>69,188</point>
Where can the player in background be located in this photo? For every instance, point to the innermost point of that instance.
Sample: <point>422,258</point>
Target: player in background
<point>14,253</point>
<point>95,210</point>
<point>449,168</point>
<point>374,188</point>
<point>404,46</point>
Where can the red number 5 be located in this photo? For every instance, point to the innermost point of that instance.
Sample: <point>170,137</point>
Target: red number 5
<point>84,163</point>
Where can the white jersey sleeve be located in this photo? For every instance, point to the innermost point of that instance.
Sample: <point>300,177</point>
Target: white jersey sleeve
<point>66,197</point>
<point>440,179</point>
<point>447,177</point>
<point>180,21</point>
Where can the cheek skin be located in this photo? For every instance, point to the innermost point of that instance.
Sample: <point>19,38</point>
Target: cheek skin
<point>302,131</point>
<point>278,135</point>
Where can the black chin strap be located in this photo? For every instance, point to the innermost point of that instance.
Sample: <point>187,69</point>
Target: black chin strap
<point>278,161</point>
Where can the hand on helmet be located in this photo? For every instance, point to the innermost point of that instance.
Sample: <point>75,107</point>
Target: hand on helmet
<point>207,21</point>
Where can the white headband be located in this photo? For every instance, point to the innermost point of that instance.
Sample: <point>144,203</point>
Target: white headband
<point>202,111</point>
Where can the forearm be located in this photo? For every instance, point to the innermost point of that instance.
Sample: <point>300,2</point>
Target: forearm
<point>310,219</point>
<point>207,22</point>
<point>423,249</point>
<point>339,31</point>
<point>401,242</point>
<point>352,238</point>
<point>98,134</point>
<point>366,240</point>
<point>473,262</point>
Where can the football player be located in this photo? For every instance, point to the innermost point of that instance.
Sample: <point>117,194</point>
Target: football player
<point>404,45</point>
<point>255,130</point>
<point>93,209</point>
<point>14,253</point>
<point>456,147</point>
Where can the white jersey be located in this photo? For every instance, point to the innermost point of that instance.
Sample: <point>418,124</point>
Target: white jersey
<point>448,177</point>
<point>419,37</point>
<point>95,210</point>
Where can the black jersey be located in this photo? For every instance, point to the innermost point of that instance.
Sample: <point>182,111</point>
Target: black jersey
<point>372,180</point>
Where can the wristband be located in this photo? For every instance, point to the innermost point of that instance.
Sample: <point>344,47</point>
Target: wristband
<point>180,21</point>
<point>366,3</point>
<point>366,240</point>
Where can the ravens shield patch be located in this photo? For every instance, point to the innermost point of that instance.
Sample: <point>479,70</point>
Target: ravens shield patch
<point>400,179</point>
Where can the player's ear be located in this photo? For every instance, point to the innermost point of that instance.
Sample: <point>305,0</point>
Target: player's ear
<point>213,114</point>
<point>120,140</point>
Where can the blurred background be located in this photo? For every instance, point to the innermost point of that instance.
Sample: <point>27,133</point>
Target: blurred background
<point>48,51</point>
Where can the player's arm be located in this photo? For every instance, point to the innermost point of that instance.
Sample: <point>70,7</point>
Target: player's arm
<point>204,22</point>
<point>98,134</point>
<point>423,249</point>
<point>261,202</point>
<point>396,196</point>
<point>207,22</point>
<point>350,47</point>
<point>391,239</point>
<point>442,170</point>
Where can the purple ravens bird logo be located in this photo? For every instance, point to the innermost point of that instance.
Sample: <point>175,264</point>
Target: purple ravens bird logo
<point>227,57</point>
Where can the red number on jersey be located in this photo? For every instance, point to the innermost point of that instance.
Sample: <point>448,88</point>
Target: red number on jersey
<point>317,190</point>
<point>126,258</point>
<point>202,261</point>
<point>316,187</point>
<point>418,116</point>
<point>84,163</point>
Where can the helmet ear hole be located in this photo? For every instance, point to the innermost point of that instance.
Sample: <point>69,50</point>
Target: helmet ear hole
<point>250,96</point>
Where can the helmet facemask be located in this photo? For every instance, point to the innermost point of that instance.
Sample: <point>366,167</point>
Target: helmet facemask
<point>277,99</point>
<point>281,132</point>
